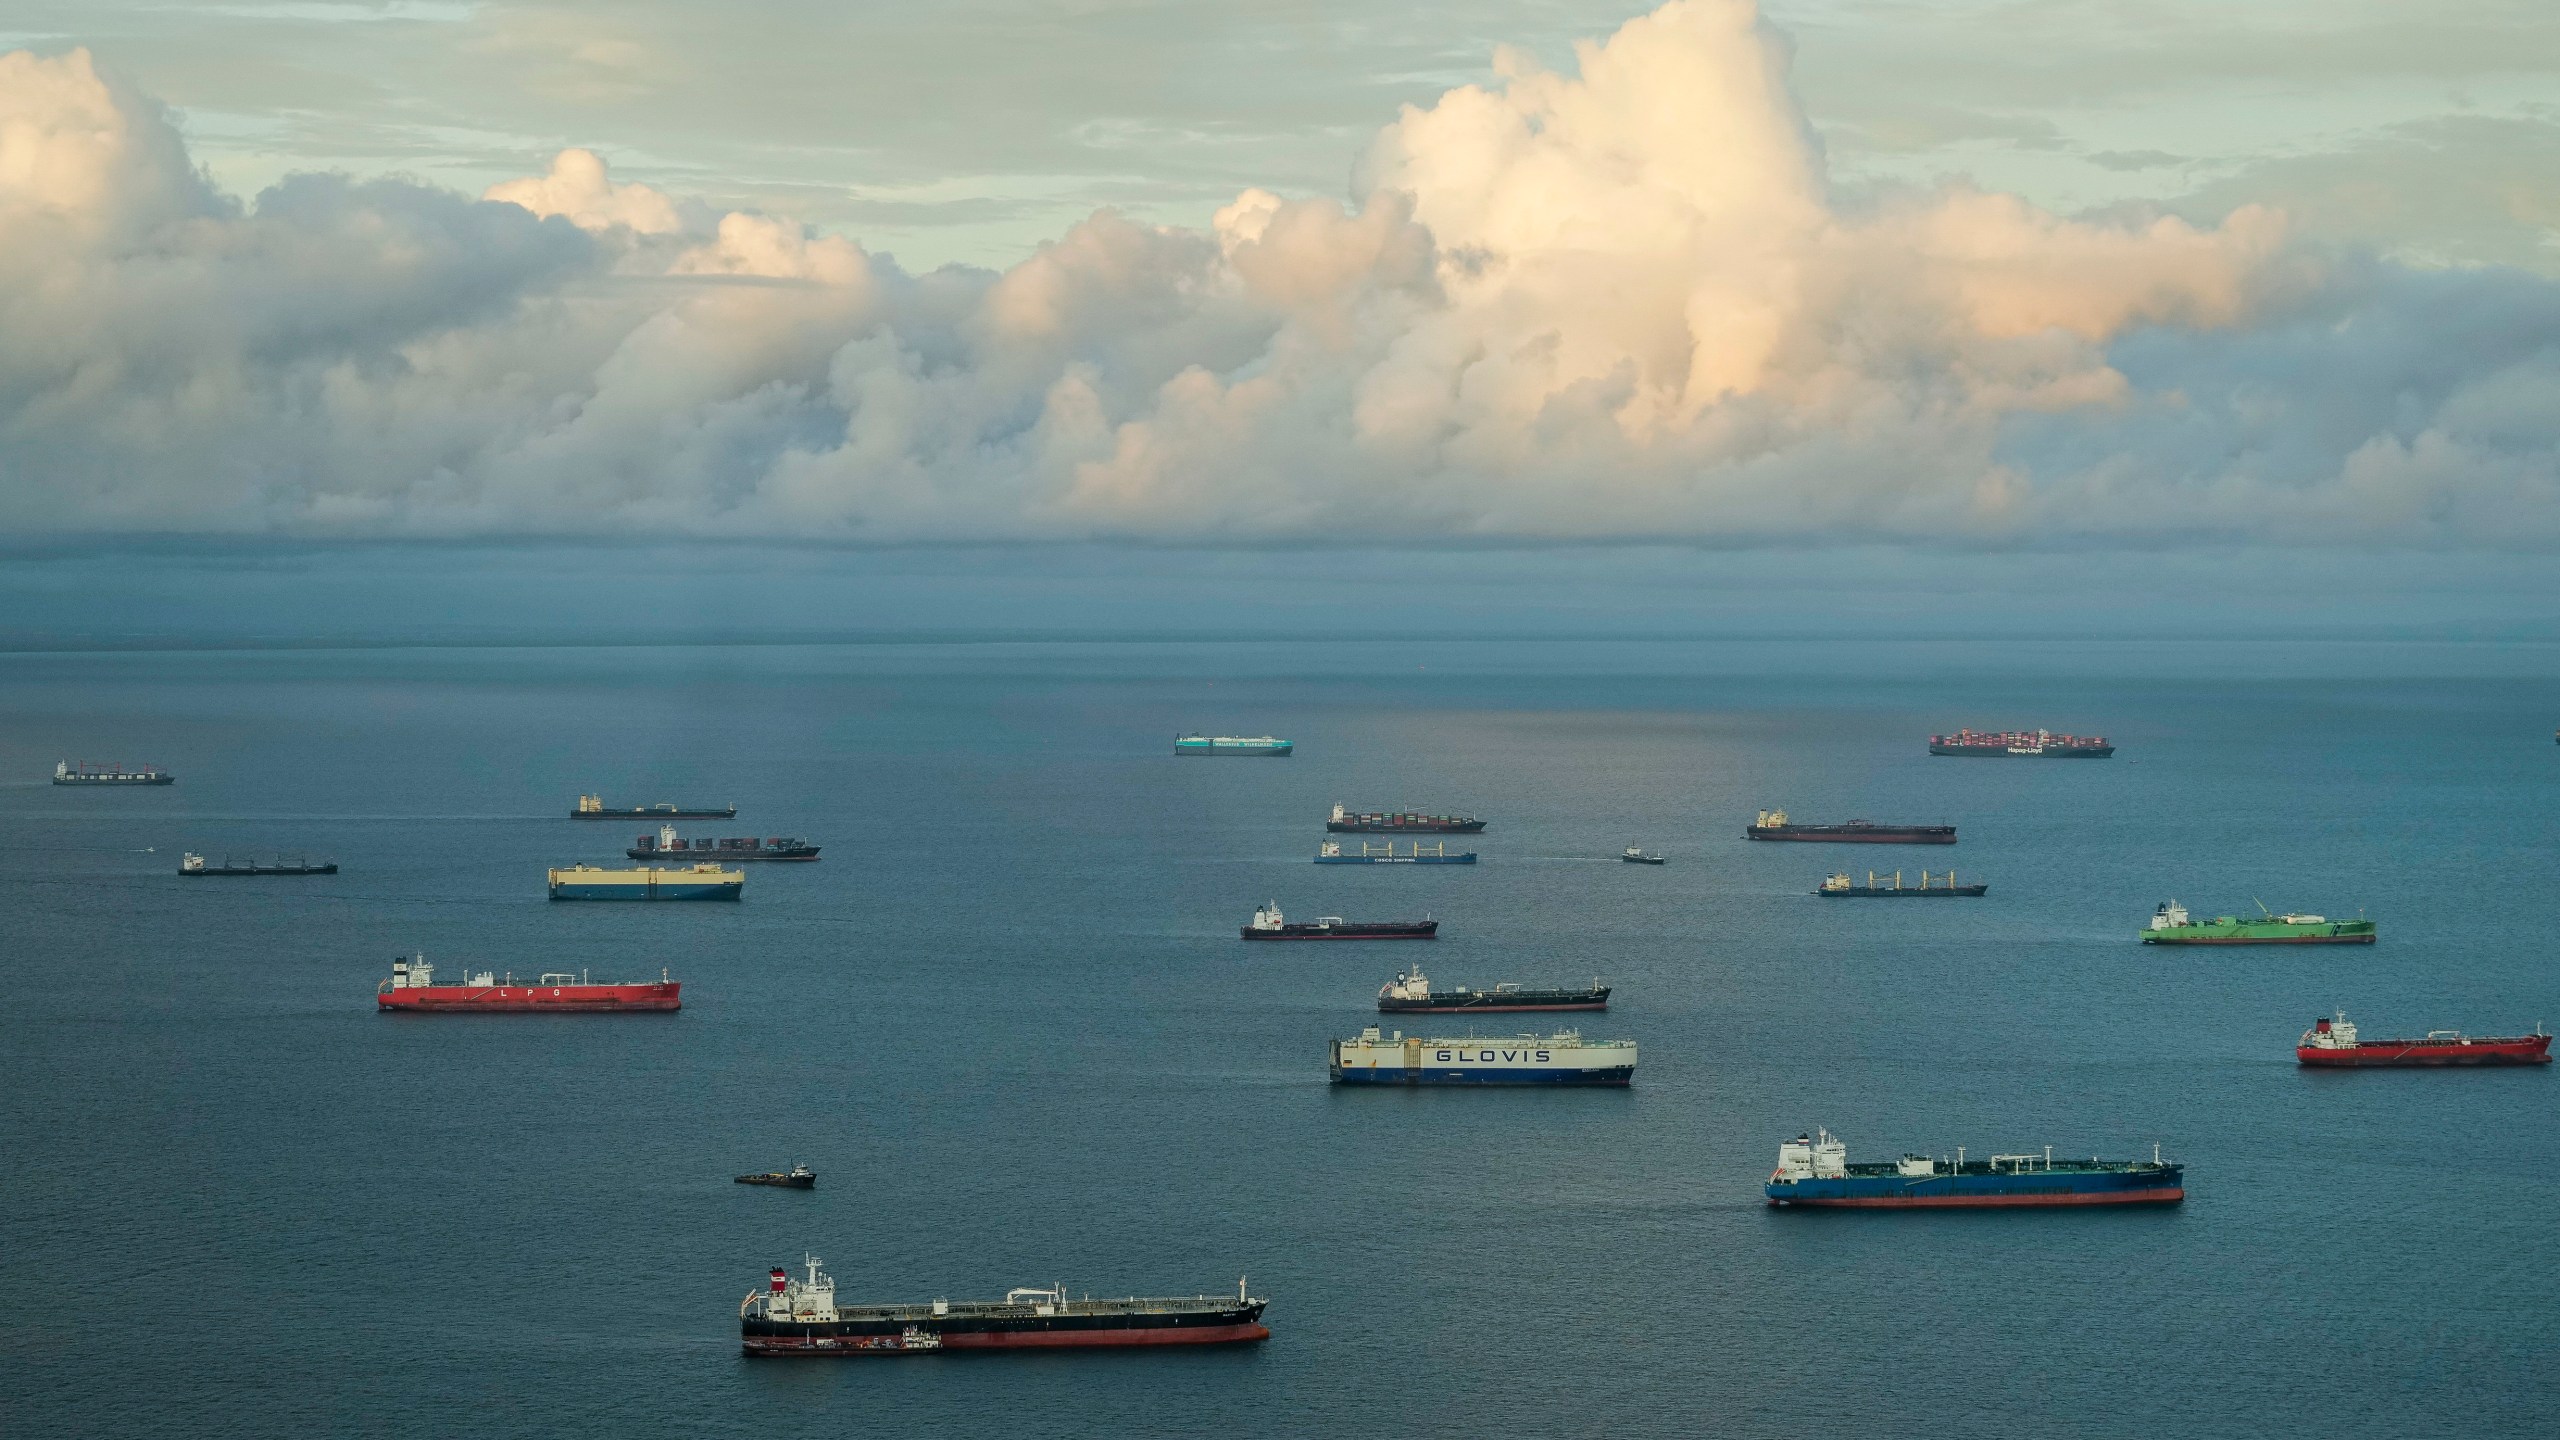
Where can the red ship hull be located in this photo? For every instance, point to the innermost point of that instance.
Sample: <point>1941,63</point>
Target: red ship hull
<point>1991,1202</point>
<point>2518,1050</point>
<point>524,999</point>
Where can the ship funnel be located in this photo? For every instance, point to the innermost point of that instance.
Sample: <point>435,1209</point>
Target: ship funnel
<point>779,1278</point>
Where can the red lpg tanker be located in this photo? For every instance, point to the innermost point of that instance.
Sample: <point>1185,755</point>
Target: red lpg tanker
<point>412,988</point>
<point>801,1317</point>
<point>2334,1042</point>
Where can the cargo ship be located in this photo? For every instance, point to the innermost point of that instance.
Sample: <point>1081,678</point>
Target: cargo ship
<point>1400,822</point>
<point>1410,994</point>
<point>1638,855</point>
<point>1814,1171</point>
<point>194,864</point>
<point>1774,825</point>
<point>1268,925</point>
<point>1564,1058</point>
<point>798,1177</point>
<point>412,987</point>
<point>2170,925</point>
<point>694,882</point>
<point>592,807</point>
<point>1840,885</point>
<point>1331,853</point>
<point>667,845</point>
<point>2021,744</point>
<point>801,1317</point>
<point>67,773</point>
<point>2334,1042</point>
<point>1230,745</point>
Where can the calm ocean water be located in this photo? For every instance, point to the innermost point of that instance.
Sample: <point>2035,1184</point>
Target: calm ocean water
<point>1008,1021</point>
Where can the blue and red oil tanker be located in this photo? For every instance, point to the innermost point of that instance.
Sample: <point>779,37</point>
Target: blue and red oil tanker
<point>1814,1170</point>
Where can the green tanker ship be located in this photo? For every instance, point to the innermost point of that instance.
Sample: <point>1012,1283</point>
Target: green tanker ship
<point>2170,925</point>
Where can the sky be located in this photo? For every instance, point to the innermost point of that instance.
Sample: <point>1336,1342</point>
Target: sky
<point>1953,278</point>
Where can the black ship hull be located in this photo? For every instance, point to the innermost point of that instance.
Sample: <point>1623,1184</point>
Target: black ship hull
<point>781,1181</point>
<point>115,779</point>
<point>2048,752</point>
<point>1379,930</point>
<point>328,869</point>
<point>1497,1002</point>
<point>1914,892</point>
<point>913,1329</point>
<point>1856,834</point>
<point>1436,827</point>
<point>655,813</point>
<point>715,853</point>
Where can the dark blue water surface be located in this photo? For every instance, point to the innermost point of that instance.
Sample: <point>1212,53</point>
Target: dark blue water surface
<point>1008,1020</point>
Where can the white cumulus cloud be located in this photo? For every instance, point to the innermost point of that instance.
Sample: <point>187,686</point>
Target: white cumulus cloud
<point>1621,302</point>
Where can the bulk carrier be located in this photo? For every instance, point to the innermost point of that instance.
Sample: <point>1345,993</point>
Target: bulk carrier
<point>1400,822</point>
<point>1564,1058</point>
<point>194,864</point>
<point>667,845</point>
<point>66,773</point>
<point>2021,744</point>
<point>1332,853</point>
<point>1774,825</point>
<point>1268,925</point>
<point>2334,1043</point>
<point>801,1317</point>
<point>1841,886</point>
<point>1814,1171</point>
<point>1411,994</point>
<point>2170,925</point>
<point>413,988</point>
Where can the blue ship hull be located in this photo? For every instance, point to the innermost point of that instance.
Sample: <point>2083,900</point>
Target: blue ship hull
<point>2141,1184</point>
<point>1466,859</point>
<point>1428,1075</point>
<point>661,891</point>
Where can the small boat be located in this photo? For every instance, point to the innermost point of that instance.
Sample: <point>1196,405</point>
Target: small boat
<point>798,1177</point>
<point>193,864</point>
<point>1635,855</point>
<point>2334,1042</point>
<point>1840,884</point>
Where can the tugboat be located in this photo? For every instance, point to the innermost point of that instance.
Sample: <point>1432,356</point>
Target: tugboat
<point>1815,1172</point>
<point>66,773</point>
<point>194,864</point>
<point>1410,994</point>
<point>1330,853</point>
<point>667,845</point>
<point>2170,925</point>
<point>592,807</point>
<point>1267,925</point>
<point>1774,825</point>
<point>801,1317</point>
<point>2334,1042</point>
<point>1399,822</point>
<point>798,1177</point>
<point>1840,884</point>
<point>1635,855</point>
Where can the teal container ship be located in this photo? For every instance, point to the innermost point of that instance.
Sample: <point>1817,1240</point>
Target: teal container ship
<point>1231,745</point>
<point>1814,1171</point>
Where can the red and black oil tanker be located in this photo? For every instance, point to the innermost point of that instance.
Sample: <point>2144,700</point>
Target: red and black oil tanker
<point>800,1317</point>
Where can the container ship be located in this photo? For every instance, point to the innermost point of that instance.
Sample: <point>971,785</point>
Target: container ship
<point>67,773</point>
<point>801,1317</point>
<point>1564,1058</point>
<point>1814,1170</point>
<point>2334,1042</point>
<point>412,987</point>
<point>667,845</point>
<point>694,882</point>
<point>1411,994</point>
<point>2170,925</point>
<point>592,807</point>
<point>1840,885</point>
<point>1230,745</point>
<point>1400,822</point>
<point>1267,925</point>
<point>1774,825</point>
<point>194,864</point>
<point>1331,853</point>
<point>2022,744</point>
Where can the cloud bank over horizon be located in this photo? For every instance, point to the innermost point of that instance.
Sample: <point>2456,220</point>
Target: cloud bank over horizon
<point>1622,303</point>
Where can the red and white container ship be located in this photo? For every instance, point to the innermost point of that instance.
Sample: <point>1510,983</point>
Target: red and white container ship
<point>2334,1042</point>
<point>413,988</point>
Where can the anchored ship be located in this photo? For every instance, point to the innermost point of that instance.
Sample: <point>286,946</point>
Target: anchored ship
<point>1331,853</point>
<point>1564,1058</point>
<point>667,845</point>
<point>2170,925</point>
<point>801,1317</point>
<point>1814,1170</point>
<point>412,987</point>
<point>1400,822</point>
<point>194,864</point>
<point>2334,1042</point>
<point>2029,744</point>
<point>67,773</point>
<point>1267,925</point>
<point>1230,745</point>
<point>1638,855</point>
<point>798,1177</point>
<point>1410,994</point>
<point>1840,884</point>
<point>1774,825</point>
<point>592,807</point>
<point>694,882</point>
